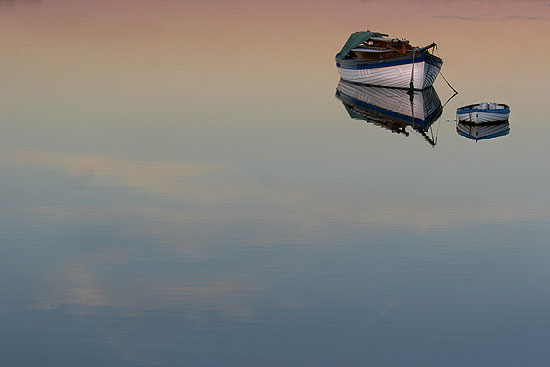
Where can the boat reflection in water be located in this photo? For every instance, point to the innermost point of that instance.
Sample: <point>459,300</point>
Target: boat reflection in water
<point>483,131</point>
<point>392,109</point>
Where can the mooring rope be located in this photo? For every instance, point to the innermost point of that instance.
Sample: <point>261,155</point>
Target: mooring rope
<point>411,100</point>
<point>443,76</point>
<point>449,84</point>
<point>451,97</point>
<point>411,84</point>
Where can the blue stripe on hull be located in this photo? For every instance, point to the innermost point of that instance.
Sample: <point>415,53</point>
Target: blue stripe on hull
<point>468,111</point>
<point>433,60</point>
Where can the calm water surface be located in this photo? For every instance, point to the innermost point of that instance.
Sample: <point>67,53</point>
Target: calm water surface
<point>180,186</point>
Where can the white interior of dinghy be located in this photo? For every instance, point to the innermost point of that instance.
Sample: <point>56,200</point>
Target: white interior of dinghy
<point>489,106</point>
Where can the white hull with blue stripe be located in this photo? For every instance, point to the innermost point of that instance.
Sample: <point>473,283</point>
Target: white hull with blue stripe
<point>483,113</point>
<point>373,59</point>
<point>395,76</point>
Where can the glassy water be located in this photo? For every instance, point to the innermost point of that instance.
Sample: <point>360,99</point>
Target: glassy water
<point>180,186</point>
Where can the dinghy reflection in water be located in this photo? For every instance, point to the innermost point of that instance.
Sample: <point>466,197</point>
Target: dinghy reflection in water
<point>483,131</point>
<point>392,109</point>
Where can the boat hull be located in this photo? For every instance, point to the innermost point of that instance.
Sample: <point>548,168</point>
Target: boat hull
<point>482,117</point>
<point>395,73</point>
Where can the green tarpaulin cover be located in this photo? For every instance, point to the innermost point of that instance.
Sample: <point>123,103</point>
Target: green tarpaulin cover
<point>355,40</point>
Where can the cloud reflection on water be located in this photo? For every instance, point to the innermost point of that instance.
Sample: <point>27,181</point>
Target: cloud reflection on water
<point>230,197</point>
<point>192,234</point>
<point>162,179</point>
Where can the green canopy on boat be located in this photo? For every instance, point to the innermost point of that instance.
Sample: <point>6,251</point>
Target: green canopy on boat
<point>355,40</point>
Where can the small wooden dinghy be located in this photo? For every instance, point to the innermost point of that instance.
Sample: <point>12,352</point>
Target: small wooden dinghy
<point>483,131</point>
<point>393,109</point>
<point>374,59</point>
<point>483,113</point>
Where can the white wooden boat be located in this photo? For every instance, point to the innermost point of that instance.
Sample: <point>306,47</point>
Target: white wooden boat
<point>372,58</point>
<point>483,112</point>
<point>393,109</point>
<point>485,131</point>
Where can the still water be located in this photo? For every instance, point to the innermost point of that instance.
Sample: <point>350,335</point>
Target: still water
<point>180,186</point>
